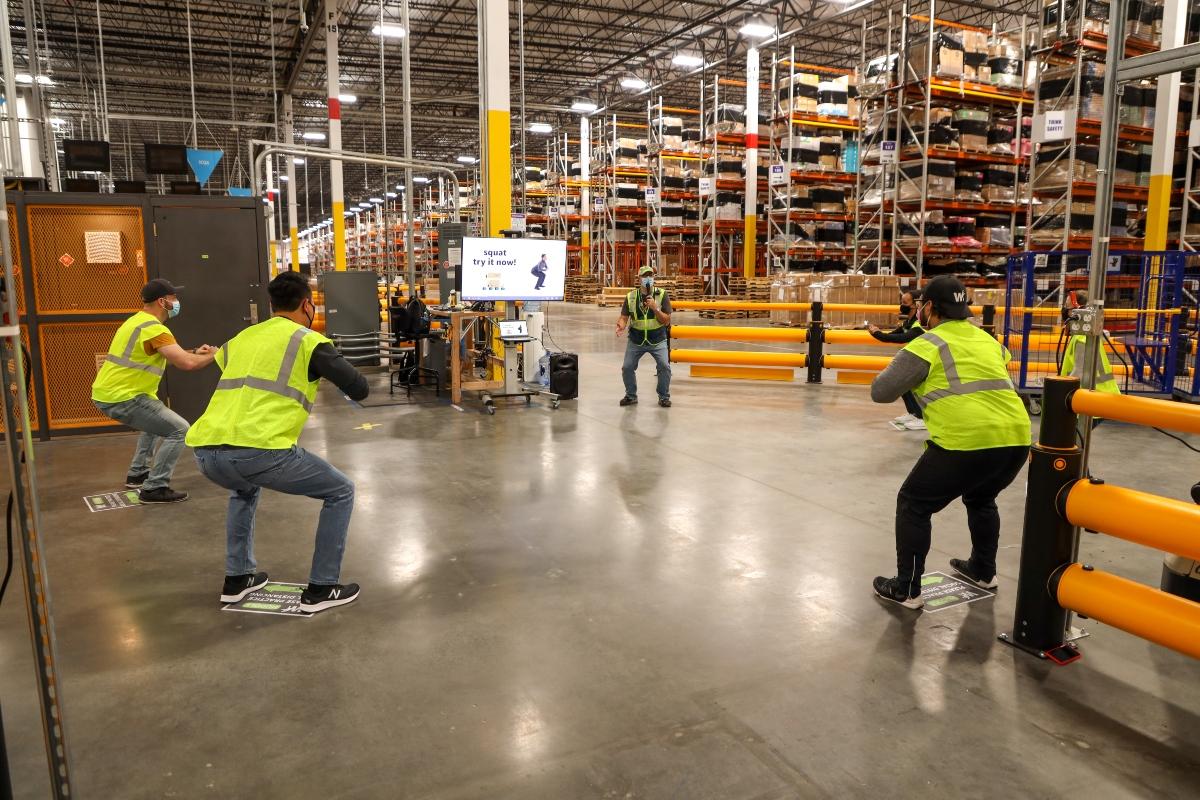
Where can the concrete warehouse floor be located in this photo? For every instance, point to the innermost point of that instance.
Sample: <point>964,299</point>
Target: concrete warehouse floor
<point>593,602</point>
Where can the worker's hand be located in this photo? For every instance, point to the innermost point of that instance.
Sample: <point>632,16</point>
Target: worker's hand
<point>651,305</point>
<point>872,328</point>
<point>620,328</point>
<point>204,349</point>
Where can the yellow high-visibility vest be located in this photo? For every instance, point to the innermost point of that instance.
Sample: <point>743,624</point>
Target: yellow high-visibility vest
<point>128,371</point>
<point>967,400</point>
<point>1105,380</point>
<point>264,395</point>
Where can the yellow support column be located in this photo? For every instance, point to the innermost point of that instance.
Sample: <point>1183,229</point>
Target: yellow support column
<point>1165,115</point>
<point>495,131</point>
<point>750,233</point>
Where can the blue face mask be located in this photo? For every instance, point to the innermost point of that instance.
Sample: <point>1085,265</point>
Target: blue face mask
<point>173,311</point>
<point>647,283</point>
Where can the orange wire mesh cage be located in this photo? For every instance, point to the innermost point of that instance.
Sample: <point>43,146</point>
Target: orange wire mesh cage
<point>86,259</point>
<point>14,247</point>
<point>72,353</point>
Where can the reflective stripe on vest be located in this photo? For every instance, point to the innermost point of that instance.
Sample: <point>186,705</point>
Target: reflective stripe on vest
<point>126,358</point>
<point>280,385</point>
<point>957,386</point>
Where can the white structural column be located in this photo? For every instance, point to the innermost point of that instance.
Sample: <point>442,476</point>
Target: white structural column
<point>333,78</point>
<point>495,116</point>
<point>585,194</point>
<point>293,211</point>
<point>1166,110</point>
<point>750,233</point>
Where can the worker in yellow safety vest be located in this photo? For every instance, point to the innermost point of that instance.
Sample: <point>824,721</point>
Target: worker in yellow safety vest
<point>979,437</point>
<point>126,390</point>
<point>246,439</point>
<point>646,312</point>
<point>1072,363</point>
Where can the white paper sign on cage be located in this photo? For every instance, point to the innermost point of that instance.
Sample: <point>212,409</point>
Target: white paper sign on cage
<point>102,247</point>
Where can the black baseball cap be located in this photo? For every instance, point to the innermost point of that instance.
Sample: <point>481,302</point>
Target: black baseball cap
<point>949,297</point>
<point>159,287</point>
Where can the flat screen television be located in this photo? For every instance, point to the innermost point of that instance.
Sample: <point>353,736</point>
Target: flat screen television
<point>166,159</point>
<point>513,269</point>
<point>85,155</point>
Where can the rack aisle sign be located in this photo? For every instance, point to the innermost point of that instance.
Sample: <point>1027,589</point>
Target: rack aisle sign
<point>518,222</point>
<point>706,187</point>
<point>1053,126</point>
<point>778,176</point>
<point>598,205</point>
<point>887,152</point>
<point>651,195</point>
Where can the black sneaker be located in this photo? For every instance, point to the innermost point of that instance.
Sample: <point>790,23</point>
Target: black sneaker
<point>238,586</point>
<point>133,481</point>
<point>163,494</point>
<point>963,568</point>
<point>890,589</point>
<point>628,401</point>
<point>319,598</point>
<point>665,402</point>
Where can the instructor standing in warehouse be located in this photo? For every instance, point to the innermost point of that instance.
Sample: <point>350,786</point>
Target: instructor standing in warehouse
<point>979,438</point>
<point>647,313</point>
<point>126,390</point>
<point>246,439</point>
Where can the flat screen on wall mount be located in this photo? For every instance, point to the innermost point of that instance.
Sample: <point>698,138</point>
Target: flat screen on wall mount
<point>166,159</point>
<point>85,155</point>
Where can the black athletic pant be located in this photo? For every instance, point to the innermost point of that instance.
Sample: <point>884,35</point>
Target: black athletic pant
<point>937,479</point>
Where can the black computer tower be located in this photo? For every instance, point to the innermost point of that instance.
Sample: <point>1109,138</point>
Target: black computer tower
<point>564,375</point>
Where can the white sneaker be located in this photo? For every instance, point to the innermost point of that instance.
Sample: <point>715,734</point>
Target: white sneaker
<point>900,423</point>
<point>915,425</point>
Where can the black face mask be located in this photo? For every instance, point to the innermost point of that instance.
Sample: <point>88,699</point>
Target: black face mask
<point>905,310</point>
<point>311,317</point>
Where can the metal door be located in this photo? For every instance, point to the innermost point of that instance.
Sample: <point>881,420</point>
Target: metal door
<point>217,253</point>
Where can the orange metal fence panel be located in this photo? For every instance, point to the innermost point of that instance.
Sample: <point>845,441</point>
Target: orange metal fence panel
<point>14,246</point>
<point>86,259</point>
<point>71,355</point>
<point>12,387</point>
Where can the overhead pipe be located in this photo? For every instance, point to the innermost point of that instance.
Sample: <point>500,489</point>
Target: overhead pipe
<point>266,147</point>
<point>293,211</point>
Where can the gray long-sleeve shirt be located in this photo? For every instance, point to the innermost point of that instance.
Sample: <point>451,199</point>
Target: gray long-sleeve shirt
<point>905,373</point>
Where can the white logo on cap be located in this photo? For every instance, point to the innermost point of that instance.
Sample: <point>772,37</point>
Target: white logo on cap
<point>960,297</point>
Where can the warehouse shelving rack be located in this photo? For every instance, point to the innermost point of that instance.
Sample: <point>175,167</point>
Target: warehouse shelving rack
<point>720,240</point>
<point>659,235</point>
<point>1049,202</point>
<point>611,259</point>
<point>1189,201</point>
<point>783,144</point>
<point>899,241</point>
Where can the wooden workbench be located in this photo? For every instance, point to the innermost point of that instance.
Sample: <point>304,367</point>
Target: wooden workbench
<point>461,324</point>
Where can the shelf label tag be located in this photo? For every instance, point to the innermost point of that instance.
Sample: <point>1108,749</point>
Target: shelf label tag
<point>598,204</point>
<point>554,212</point>
<point>651,195</point>
<point>1053,126</point>
<point>518,222</point>
<point>887,152</point>
<point>706,187</point>
<point>1194,134</point>
<point>778,176</point>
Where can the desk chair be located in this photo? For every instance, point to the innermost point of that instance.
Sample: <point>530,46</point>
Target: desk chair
<point>409,327</point>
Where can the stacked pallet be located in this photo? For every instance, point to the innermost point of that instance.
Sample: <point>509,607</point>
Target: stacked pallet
<point>721,313</point>
<point>582,288</point>
<point>611,296</point>
<point>758,290</point>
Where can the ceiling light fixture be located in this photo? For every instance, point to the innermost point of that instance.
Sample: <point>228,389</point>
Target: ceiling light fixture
<point>390,31</point>
<point>687,60</point>
<point>420,179</point>
<point>633,84</point>
<point>541,127</point>
<point>348,98</point>
<point>313,136</point>
<point>390,194</point>
<point>43,80</point>
<point>466,159</point>
<point>375,199</point>
<point>584,106</point>
<point>57,121</point>
<point>757,30</point>
<point>297,160</point>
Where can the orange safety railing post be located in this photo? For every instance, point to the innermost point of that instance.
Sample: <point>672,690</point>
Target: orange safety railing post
<point>1048,539</point>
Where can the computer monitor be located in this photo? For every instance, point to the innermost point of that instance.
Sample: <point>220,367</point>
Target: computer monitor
<point>514,329</point>
<point>85,155</point>
<point>513,269</point>
<point>166,159</point>
<point>81,185</point>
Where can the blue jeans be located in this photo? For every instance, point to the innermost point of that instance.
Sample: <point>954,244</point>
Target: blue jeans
<point>246,470</point>
<point>161,427</point>
<point>662,357</point>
